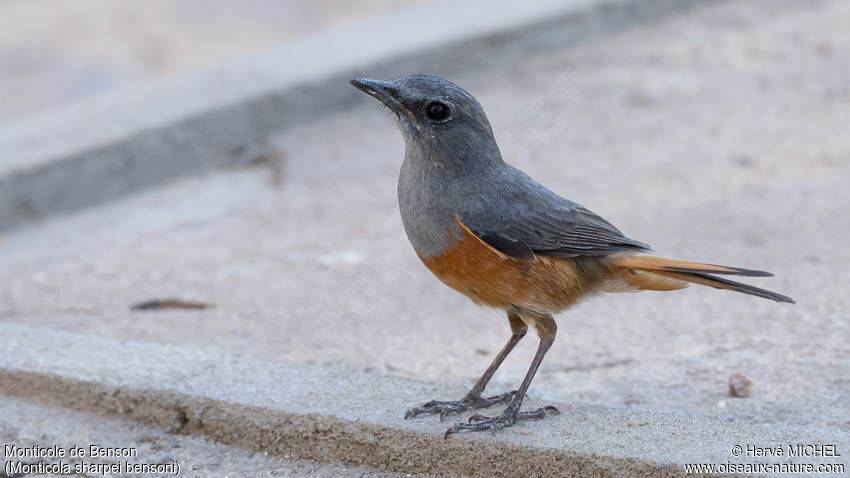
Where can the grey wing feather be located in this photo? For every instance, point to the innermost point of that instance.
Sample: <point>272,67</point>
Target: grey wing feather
<point>575,232</point>
<point>520,209</point>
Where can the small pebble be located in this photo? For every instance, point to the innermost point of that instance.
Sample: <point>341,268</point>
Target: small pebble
<point>740,385</point>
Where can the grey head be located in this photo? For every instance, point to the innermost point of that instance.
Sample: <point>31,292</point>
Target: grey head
<point>442,124</point>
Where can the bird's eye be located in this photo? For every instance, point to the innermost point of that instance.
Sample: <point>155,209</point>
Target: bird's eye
<point>437,111</point>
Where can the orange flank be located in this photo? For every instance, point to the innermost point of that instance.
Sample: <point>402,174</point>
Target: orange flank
<point>543,284</point>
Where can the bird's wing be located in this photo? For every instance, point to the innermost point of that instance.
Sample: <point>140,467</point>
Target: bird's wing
<point>522,216</point>
<point>560,232</point>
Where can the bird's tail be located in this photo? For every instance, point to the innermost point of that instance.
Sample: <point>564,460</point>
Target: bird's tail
<point>658,273</point>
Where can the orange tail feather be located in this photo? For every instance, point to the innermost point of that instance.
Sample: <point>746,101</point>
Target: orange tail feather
<point>658,273</point>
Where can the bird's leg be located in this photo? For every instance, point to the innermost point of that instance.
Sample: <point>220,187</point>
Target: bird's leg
<point>546,329</point>
<point>473,398</point>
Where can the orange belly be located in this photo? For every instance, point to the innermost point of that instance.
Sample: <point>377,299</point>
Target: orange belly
<point>543,284</point>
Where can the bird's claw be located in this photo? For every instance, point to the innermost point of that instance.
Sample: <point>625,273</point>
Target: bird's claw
<point>470,401</point>
<point>480,422</point>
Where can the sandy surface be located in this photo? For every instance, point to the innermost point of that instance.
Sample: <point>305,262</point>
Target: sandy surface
<point>55,51</point>
<point>719,135</point>
<point>25,425</point>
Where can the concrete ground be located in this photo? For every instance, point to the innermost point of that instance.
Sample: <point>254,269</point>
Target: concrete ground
<point>53,52</point>
<point>333,414</point>
<point>718,135</point>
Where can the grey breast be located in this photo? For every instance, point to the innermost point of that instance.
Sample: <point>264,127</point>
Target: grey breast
<point>427,202</point>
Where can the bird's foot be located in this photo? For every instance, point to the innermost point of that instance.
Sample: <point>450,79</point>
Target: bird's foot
<point>479,423</point>
<point>470,401</point>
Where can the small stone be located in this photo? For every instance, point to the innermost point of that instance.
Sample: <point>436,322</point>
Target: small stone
<point>740,385</point>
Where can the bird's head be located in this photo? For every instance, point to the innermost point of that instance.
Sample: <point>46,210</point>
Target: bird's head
<point>438,119</point>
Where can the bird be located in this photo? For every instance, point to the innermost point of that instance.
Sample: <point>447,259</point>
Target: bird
<point>489,231</point>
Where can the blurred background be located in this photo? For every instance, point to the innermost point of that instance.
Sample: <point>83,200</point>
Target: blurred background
<point>55,51</point>
<point>714,131</point>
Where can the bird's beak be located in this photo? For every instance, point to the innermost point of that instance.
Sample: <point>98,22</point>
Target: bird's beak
<point>385,91</point>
